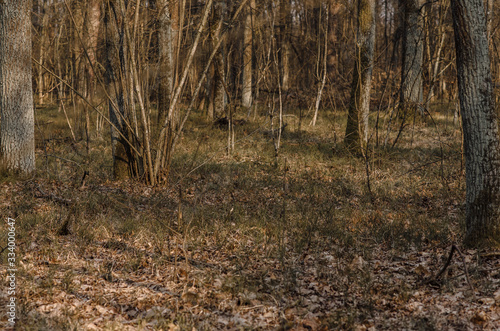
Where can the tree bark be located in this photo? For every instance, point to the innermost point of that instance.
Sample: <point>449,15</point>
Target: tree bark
<point>218,80</point>
<point>246,95</point>
<point>93,24</point>
<point>166,56</point>
<point>356,135</point>
<point>411,96</point>
<point>17,132</point>
<point>480,124</point>
<point>114,41</point>
<point>285,25</point>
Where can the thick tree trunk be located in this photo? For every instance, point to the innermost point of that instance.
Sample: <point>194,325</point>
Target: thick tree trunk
<point>356,135</point>
<point>246,95</point>
<point>411,97</point>
<point>16,95</point>
<point>480,125</point>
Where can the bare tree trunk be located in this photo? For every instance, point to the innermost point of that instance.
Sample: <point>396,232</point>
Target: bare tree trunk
<point>177,17</point>
<point>438,57</point>
<point>93,24</point>
<point>480,124</point>
<point>166,56</point>
<point>411,96</point>
<point>17,132</point>
<point>117,115</point>
<point>42,41</point>
<point>356,135</point>
<point>246,97</point>
<point>325,65</point>
<point>284,44</point>
<point>489,17</point>
<point>164,139</point>
<point>218,92</point>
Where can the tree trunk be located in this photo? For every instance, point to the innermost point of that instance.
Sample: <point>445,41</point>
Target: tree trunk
<point>411,96</point>
<point>489,17</point>
<point>285,23</point>
<point>356,135</point>
<point>17,132</point>
<point>218,81</point>
<point>480,126</point>
<point>94,21</point>
<point>117,115</point>
<point>246,95</point>
<point>165,55</point>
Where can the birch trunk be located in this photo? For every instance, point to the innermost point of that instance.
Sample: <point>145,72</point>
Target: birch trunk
<point>480,126</point>
<point>17,132</point>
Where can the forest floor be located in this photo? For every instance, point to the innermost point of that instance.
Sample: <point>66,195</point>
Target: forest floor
<point>249,240</point>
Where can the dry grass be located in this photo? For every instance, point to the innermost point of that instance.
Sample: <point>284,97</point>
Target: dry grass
<point>293,242</point>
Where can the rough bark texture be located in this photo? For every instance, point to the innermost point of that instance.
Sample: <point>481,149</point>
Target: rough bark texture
<point>246,95</point>
<point>480,126</point>
<point>356,135</point>
<point>16,94</point>
<point>412,55</point>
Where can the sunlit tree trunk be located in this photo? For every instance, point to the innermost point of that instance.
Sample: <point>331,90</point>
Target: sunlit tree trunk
<point>411,96</point>
<point>16,95</point>
<point>42,52</point>
<point>165,55</point>
<point>93,24</point>
<point>480,124</point>
<point>246,96</point>
<point>356,135</point>
<point>489,16</point>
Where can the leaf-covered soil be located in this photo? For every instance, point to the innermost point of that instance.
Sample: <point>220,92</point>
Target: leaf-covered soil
<point>248,241</point>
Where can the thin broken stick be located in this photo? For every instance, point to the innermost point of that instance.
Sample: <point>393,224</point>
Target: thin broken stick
<point>453,249</point>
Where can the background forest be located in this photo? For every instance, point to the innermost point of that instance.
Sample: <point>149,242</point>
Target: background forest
<point>251,164</point>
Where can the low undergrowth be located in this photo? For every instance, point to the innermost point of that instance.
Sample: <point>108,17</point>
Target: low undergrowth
<point>312,238</point>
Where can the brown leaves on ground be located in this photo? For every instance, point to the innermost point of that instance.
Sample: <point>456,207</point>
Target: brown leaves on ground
<point>243,244</point>
<point>245,280</point>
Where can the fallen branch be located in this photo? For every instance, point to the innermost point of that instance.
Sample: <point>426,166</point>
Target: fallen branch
<point>52,197</point>
<point>446,265</point>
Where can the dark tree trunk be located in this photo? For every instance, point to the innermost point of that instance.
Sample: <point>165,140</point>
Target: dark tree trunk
<point>412,56</point>
<point>117,115</point>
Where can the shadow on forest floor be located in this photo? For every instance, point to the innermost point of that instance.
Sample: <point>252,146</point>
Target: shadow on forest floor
<point>248,240</point>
